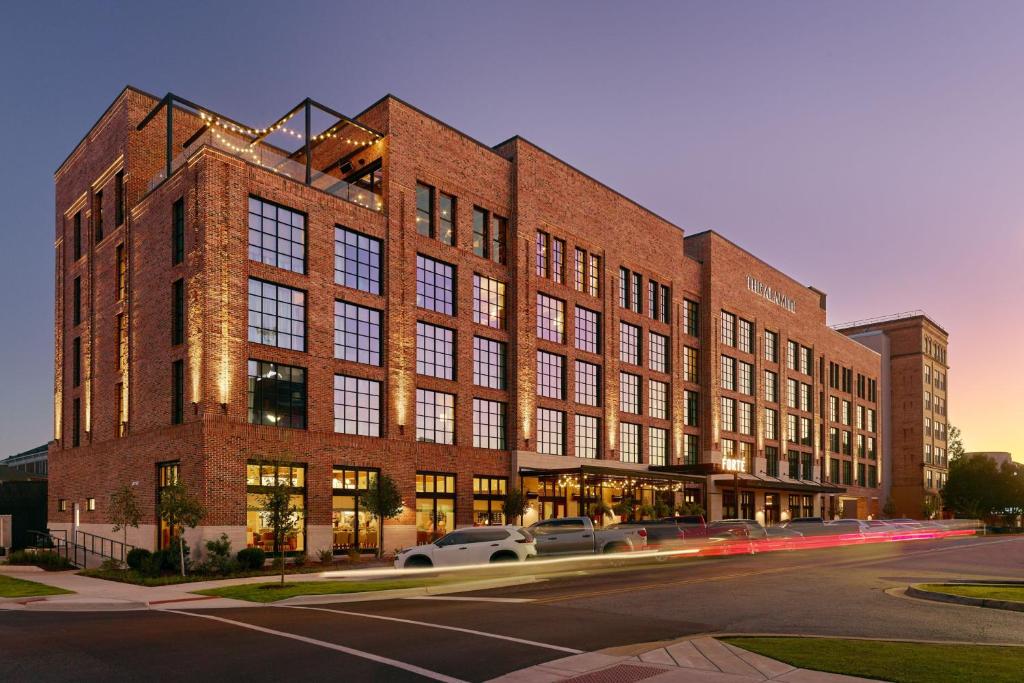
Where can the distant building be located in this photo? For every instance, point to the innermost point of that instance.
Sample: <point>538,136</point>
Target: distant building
<point>33,461</point>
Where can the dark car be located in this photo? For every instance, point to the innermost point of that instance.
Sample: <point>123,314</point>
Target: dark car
<point>692,526</point>
<point>736,529</point>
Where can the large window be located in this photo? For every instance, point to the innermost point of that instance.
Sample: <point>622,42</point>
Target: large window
<point>691,317</point>
<point>658,345</point>
<point>352,526</point>
<point>629,343</point>
<point>745,341</point>
<point>435,285</point>
<point>167,474</point>
<point>629,442</point>
<point>435,417</point>
<point>588,434</point>
<point>550,319</point>
<point>550,431</point>
<point>435,351</point>
<point>178,232</point>
<point>488,302</point>
<point>657,446</point>
<point>356,333</point>
<point>356,406</point>
<point>629,393</point>
<point>76,361</point>
<point>488,498</point>
<point>691,401</point>
<point>580,270</point>
<point>588,383</point>
<point>447,218</point>
<point>277,236</point>
<point>728,329</point>
<point>488,363</point>
<point>594,275</point>
<point>588,330</point>
<point>277,394</point>
<point>178,311</point>
<point>771,346</point>
<point>435,505</point>
<point>259,477</point>
<point>357,261</point>
<point>542,259</point>
<point>745,418</point>
<point>77,235</point>
<point>657,399</point>
<point>424,210</point>
<point>558,260</point>
<point>690,364</point>
<point>729,373</point>
<point>277,315</point>
<point>728,414</point>
<point>177,392</point>
<point>499,239</point>
<point>76,305</point>
<point>121,272</point>
<point>771,424</point>
<point>550,375</point>
<point>771,386</point>
<point>691,449</point>
<point>488,424</point>
<point>746,378</point>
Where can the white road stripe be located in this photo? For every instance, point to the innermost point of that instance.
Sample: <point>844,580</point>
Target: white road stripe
<point>466,599</point>
<point>484,634</point>
<point>433,675</point>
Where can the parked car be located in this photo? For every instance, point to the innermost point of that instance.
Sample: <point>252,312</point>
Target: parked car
<point>669,532</point>
<point>850,526</point>
<point>571,535</point>
<point>808,526</point>
<point>475,545</point>
<point>733,529</point>
<point>782,538</point>
<point>692,526</point>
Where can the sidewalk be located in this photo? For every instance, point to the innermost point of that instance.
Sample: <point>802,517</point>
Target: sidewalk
<point>692,660</point>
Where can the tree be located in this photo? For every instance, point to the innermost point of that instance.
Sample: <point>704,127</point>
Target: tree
<point>954,443</point>
<point>180,509</point>
<point>690,509</point>
<point>382,502</point>
<point>970,489</point>
<point>123,510</point>
<point>889,509</point>
<point>514,505</point>
<point>281,515</point>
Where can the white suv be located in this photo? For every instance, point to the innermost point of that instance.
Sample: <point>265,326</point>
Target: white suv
<point>472,545</point>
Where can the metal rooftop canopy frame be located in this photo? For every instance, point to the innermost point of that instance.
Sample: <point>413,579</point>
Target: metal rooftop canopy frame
<point>254,146</point>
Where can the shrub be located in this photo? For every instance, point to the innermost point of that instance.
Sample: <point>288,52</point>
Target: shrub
<point>326,555</point>
<point>111,565</point>
<point>136,556</point>
<point>251,558</point>
<point>46,559</point>
<point>218,556</point>
<point>299,560</point>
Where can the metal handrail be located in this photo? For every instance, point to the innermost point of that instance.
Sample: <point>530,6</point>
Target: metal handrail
<point>69,551</point>
<point>86,539</point>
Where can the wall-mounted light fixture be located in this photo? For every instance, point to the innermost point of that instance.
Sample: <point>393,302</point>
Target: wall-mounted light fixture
<point>224,408</point>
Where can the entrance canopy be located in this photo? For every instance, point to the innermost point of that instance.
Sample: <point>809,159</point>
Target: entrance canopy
<point>593,475</point>
<point>753,481</point>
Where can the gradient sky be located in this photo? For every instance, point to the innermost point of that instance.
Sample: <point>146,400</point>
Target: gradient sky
<point>874,150</point>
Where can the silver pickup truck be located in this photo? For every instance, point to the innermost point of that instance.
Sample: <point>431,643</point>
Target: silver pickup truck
<point>577,535</point>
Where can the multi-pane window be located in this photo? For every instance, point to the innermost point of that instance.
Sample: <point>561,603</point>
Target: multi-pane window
<point>690,364</point>
<point>629,343</point>
<point>771,455</point>
<point>356,406</point>
<point>729,373</point>
<point>122,341</point>
<point>77,235</point>
<point>629,442</point>
<point>657,445</point>
<point>119,198</point>
<point>277,394</point>
<point>636,299</point>
<point>792,390</point>
<point>728,414</point>
<point>629,393</point>
<point>277,315</point>
<point>657,399</point>
<point>550,375</point>
<point>594,275</point>
<point>424,210</point>
<point>588,383</point>
<point>435,351</point>
<point>588,436</point>
<point>771,346</point>
<point>728,329</point>
<point>357,260</point>
<point>488,363</point>
<point>499,239</point>
<point>543,264</point>
<point>588,330</point>
<point>488,424</point>
<point>76,361</point>
<point>745,340</point>
<point>479,232</point>
<point>805,397</point>
<point>76,301</point>
<point>121,272</point>
<point>658,354</point>
<point>771,424</point>
<point>691,416</point>
<point>357,333</point>
<point>558,260</point>
<point>792,434</point>
<point>771,386</point>
<point>691,449</point>
<point>745,384</point>
<point>97,215</point>
<point>550,431</point>
<point>121,406</point>
<point>446,216</point>
<point>435,416</point>
<point>178,232</point>
<point>623,288</point>
<point>805,431</point>
<point>178,392</point>
<point>652,299</point>
<point>550,318</point>
<point>833,408</point>
<point>580,270</point>
<point>659,300</point>
<point>435,285</point>
<point>846,412</point>
<point>178,311</point>
<point>805,360</point>
<point>277,236</point>
<point>691,317</point>
<point>745,418</point>
<point>791,353</point>
<point>488,302</point>
<point>76,422</point>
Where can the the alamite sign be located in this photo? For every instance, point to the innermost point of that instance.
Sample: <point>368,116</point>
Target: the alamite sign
<point>773,295</point>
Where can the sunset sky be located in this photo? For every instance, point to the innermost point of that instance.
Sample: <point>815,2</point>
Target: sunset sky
<point>873,150</point>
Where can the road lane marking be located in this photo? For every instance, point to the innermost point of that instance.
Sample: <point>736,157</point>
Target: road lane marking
<point>484,634</point>
<point>466,599</point>
<point>433,675</point>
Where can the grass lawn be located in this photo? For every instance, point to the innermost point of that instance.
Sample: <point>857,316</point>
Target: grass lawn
<point>271,592</point>
<point>1011,593</point>
<point>19,588</point>
<point>898,662</point>
<point>132,576</point>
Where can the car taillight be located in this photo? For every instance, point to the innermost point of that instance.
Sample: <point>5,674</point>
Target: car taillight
<point>524,540</point>
<point>642,533</point>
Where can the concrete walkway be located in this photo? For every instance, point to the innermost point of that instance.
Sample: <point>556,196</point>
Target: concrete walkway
<point>692,660</point>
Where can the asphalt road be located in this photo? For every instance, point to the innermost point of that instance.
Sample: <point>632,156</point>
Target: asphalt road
<point>836,591</point>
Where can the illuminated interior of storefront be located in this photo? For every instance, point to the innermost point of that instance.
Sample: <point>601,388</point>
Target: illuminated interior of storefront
<point>352,527</point>
<point>259,533</point>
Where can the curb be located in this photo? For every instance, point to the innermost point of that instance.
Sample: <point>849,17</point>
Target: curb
<point>404,592</point>
<point>915,592</point>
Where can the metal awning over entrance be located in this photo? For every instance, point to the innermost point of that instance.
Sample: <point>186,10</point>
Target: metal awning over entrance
<point>593,475</point>
<point>750,481</point>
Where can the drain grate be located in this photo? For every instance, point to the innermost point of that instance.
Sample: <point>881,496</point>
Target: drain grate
<point>620,673</point>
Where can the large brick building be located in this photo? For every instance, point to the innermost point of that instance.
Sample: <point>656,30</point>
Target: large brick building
<point>331,298</point>
<point>915,369</point>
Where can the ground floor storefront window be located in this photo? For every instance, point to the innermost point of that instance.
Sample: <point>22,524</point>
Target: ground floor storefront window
<point>259,532</point>
<point>771,508</point>
<point>488,497</point>
<point>167,473</point>
<point>435,505</point>
<point>353,528</point>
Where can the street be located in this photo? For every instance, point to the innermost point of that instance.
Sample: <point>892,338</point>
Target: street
<point>481,635</point>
